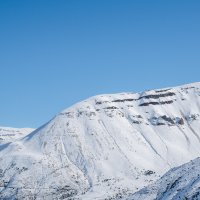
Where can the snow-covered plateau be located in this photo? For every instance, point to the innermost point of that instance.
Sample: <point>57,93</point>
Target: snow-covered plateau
<point>110,147</point>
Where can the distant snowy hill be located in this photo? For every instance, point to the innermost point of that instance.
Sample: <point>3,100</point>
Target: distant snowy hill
<point>8,134</point>
<point>105,147</point>
<point>179,183</point>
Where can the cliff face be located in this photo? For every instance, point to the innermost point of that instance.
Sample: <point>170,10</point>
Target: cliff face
<point>104,147</point>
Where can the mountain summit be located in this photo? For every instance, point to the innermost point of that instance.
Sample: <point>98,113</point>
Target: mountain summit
<point>105,147</point>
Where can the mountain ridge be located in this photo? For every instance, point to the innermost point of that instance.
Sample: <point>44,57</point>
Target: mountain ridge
<point>8,134</point>
<point>105,147</point>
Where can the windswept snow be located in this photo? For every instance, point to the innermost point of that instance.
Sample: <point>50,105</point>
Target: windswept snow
<point>105,147</point>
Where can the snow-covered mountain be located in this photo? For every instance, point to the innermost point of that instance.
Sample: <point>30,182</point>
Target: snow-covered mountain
<point>8,134</point>
<point>179,183</point>
<point>105,147</point>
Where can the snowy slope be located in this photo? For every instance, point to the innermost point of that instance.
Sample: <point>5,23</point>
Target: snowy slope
<point>104,147</point>
<point>8,134</point>
<point>179,183</point>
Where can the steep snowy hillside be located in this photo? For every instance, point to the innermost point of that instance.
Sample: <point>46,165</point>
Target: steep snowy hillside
<point>8,134</point>
<point>179,183</point>
<point>104,147</point>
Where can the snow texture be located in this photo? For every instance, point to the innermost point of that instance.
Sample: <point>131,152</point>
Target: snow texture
<point>181,183</point>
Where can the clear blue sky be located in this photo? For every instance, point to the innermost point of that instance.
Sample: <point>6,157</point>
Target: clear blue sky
<point>56,53</point>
